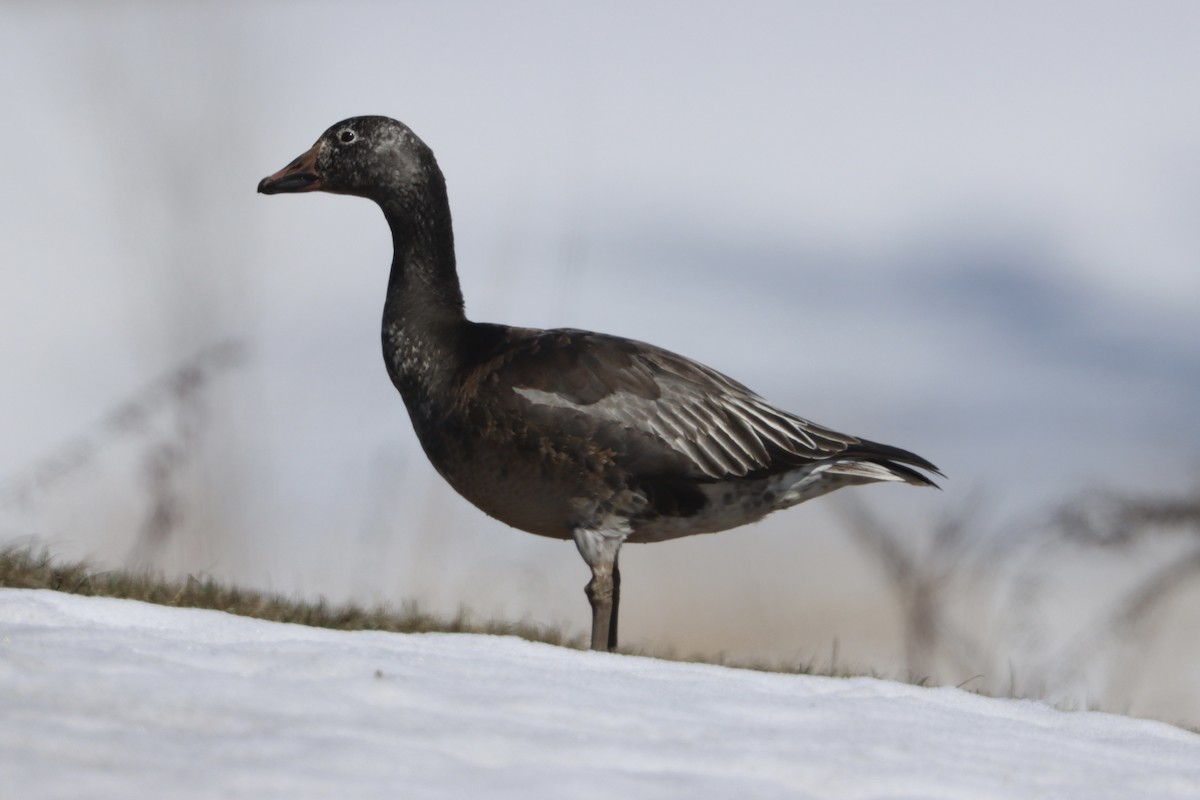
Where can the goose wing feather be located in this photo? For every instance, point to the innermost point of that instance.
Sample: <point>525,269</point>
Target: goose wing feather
<point>659,399</point>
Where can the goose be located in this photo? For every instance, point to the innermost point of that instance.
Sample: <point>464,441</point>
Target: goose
<point>567,433</point>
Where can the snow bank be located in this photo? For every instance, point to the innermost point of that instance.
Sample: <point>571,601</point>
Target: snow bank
<point>105,698</point>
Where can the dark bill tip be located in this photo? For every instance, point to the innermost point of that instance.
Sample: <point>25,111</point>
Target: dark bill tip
<point>298,176</point>
<point>296,182</point>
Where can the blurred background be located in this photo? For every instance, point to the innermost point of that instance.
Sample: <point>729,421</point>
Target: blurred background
<point>970,230</point>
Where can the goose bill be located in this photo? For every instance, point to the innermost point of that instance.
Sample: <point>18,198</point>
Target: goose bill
<point>298,176</point>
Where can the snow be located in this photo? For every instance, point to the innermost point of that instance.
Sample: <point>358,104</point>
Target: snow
<point>113,698</point>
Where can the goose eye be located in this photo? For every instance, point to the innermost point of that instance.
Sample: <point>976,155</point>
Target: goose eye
<point>346,136</point>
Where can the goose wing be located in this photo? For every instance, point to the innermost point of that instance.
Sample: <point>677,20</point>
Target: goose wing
<point>650,397</point>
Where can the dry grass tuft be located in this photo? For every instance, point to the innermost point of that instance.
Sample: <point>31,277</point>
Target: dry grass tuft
<point>23,567</point>
<point>26,568</point>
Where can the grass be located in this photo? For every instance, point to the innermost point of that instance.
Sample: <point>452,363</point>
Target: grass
<point>27,568</point>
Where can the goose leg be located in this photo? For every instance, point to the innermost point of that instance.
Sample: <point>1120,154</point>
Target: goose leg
<point>599,550</point>
<point>616,602</point>
<point>599,593</point>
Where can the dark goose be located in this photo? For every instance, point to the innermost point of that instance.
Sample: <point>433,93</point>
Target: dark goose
<point>568,433</point>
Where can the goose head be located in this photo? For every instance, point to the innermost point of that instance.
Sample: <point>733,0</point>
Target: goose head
<point>372,157</point>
